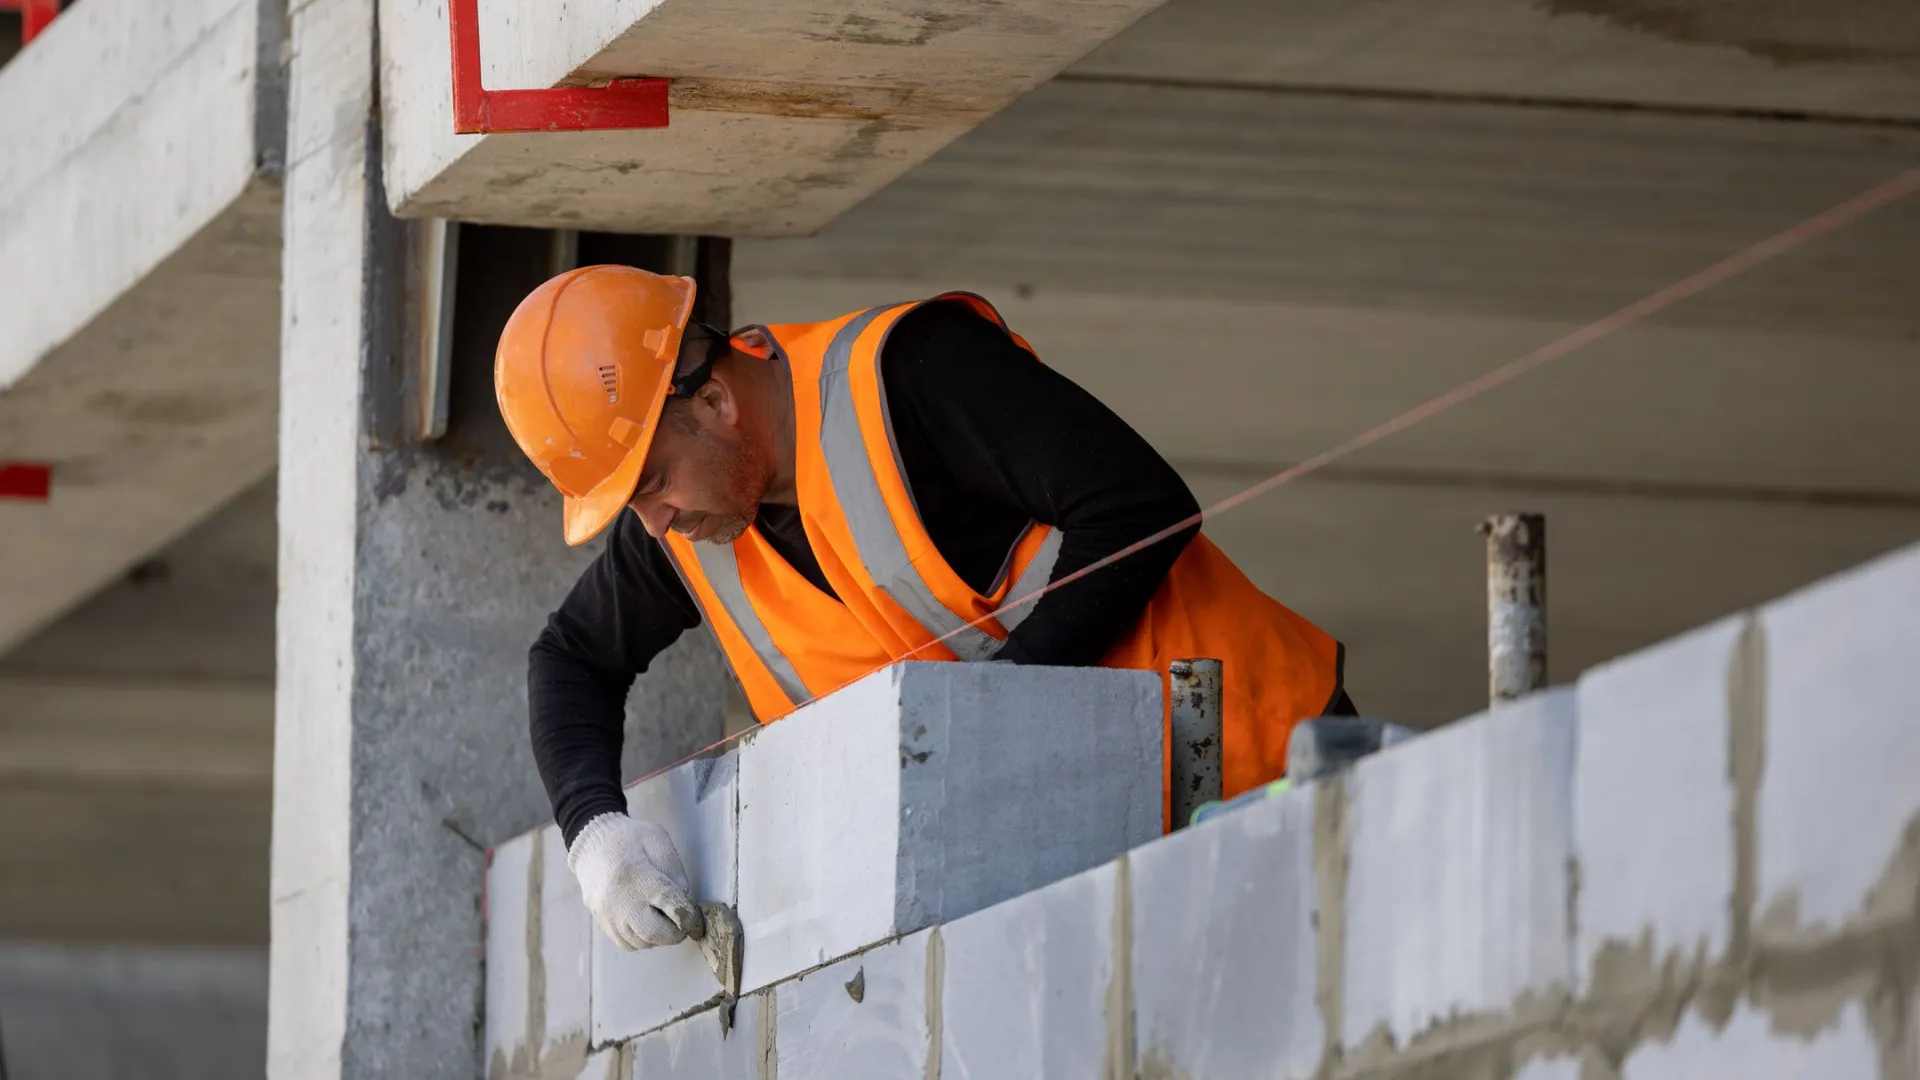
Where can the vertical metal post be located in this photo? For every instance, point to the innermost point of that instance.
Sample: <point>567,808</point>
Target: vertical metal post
<point>439,278</point>
<point>1516,604</point>
<point>563,251</point>
<point>1198,702</point>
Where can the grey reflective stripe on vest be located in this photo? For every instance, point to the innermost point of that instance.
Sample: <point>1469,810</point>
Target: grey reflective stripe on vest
<point>1031,580</point>
<point>722,572</point>
<point>881,550</point>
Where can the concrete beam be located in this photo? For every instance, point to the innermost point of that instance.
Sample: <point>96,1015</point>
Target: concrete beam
<point>139,241</point>
<point>783,115</point>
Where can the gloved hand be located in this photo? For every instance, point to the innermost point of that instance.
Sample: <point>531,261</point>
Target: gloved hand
<point>633,882</point>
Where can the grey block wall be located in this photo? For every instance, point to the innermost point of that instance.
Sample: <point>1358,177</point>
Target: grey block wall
<point>918,795</point>
<point>1702,861</point>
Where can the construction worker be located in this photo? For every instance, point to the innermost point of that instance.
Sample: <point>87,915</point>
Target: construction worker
<point>831,497</point>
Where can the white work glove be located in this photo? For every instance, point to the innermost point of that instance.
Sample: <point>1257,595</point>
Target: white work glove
<point>633,882</point>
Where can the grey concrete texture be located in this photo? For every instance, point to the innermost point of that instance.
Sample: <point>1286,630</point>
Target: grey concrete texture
<point>113,1012</point>
<point>1215,984</point>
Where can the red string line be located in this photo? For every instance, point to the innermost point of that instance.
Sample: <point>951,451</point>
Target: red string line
<point>1780,243</point>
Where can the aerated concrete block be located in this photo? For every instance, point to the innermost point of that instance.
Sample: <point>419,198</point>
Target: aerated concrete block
<point>1839,802</point>
<point>1654,800</point>
<point>1457,886</point>
<point>538,949</point>
<point>926,792</point>
<point>1223,946</point>
<point>638,991</point>
<point>1028,987</point>
<point>864,1016</point>
<point>695,1048</point>
<point>1748,1048</point>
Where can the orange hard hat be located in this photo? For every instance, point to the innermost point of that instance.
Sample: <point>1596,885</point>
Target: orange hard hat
<point>584,368</point>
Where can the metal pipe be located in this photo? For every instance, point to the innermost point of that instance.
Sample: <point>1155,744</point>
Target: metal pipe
<point>1516,604</point>
<point>1198,698</point>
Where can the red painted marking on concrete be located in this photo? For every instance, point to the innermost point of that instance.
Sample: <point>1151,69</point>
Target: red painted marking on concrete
<point>621,104</point>
<point>35,15</point>
<point>1780,243</point>
<point>25,480</point>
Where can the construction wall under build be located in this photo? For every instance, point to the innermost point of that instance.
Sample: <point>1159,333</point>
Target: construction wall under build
<point>1701,860</point>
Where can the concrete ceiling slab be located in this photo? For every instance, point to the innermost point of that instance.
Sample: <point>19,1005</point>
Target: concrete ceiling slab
<point>141,248</point>
<point>1852,58</point>
<point>1234,384</point>
<point>1435,205</point>
<point>783,115</point>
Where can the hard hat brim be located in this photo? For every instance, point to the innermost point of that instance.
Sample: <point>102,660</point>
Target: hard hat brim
<point>584,517</point>
<point>587,516</point>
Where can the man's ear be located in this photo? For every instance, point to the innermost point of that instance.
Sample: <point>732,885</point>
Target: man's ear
<point>717,395</point>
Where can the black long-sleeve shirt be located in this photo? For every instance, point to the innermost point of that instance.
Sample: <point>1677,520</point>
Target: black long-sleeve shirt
<point>989,440</point>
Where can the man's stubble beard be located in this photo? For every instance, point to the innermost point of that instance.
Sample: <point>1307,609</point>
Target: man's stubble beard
<point>745,475</point>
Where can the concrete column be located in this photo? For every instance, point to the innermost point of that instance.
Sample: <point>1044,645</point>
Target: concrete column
<point>413,577</point>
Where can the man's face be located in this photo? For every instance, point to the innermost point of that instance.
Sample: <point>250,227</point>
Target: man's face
<point>703,479</point>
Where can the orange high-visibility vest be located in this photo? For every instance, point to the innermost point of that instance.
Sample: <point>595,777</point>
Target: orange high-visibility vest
<point>789,642</point>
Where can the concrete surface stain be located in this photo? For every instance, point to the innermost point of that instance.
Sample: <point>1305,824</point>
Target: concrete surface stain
<point>1117,1061</point>
<point>911,32</point>
<point>1804,977</point>
<point>799,100</point>
<point>536,970</point>
<point>1330,864</point>
<point>162,409</point>
<point>1746,760</point>
<point>1463,1045</point>
<point>846,159</point>
<point>936,1010</point>
<point>1894,898</point>
<point>1155,1067</point>
<point>1671,22</point>
<point>767,1062</point>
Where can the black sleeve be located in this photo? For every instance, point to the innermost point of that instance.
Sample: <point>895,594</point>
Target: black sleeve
<point>1009,429</point>
<point>628,605</point>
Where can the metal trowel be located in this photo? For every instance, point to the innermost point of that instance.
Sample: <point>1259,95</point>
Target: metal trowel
<point>725,947</point>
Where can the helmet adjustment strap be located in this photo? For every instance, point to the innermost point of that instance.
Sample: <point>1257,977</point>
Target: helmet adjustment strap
<point>683,386</point>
